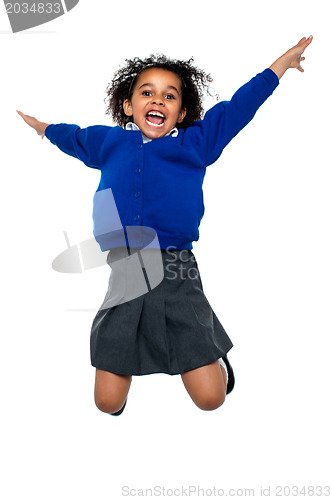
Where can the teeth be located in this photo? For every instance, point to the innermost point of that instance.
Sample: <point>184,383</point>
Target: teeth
<point>155,113</point>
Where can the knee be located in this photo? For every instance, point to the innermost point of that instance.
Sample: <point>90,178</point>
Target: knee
<point>211,401</point>
<point>108,405</point>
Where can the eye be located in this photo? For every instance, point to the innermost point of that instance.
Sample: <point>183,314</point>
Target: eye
<point>146,93</point>
<point>170,96</point>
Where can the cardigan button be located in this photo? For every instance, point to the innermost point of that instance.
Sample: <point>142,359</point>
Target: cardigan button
<point>140,146</point>
<point>136,217</point>
<point>137,170</point>
<point>137,194</point>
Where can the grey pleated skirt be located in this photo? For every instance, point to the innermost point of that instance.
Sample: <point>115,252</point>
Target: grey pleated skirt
<point>168,327</point>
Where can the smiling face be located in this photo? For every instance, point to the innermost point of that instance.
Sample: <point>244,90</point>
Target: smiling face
<point>156,102</point>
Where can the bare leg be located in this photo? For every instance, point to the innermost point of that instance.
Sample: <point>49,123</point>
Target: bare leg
<point>206,385</point>
<point>111,390</point>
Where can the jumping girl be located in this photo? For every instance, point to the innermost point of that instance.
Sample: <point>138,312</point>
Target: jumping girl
<point>154,162</point>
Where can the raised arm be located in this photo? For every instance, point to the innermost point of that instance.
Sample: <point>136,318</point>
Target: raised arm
<point>225,120</point>
<point>84,144</point>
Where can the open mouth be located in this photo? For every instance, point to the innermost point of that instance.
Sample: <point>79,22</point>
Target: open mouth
<point>155,119</point>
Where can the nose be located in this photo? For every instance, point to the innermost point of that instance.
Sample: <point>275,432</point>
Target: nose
<point>158,100</point>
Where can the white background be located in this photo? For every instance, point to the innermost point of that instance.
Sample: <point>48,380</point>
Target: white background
<point>267,224</point>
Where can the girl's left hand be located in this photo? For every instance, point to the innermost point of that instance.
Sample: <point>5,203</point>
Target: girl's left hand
<point>292,58</point>
<point>294,54</point>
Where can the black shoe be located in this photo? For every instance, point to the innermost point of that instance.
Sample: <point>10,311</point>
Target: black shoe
<point>231,378</point>
<point>120,411</point>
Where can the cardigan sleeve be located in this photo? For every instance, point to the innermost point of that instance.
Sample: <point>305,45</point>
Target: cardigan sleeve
<point>225,120</point>
<point>84,144</point>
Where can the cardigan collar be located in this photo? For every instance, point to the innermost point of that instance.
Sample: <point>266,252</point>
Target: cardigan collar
<point>132,126</point>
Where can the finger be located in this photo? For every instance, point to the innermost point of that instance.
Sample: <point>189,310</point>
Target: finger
<point>300,68</point>
<point>25,117</point>
<point>22,114</point>
<point>307,42</point>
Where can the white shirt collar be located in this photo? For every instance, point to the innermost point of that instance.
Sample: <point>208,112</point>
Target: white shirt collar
<point>132,126</point>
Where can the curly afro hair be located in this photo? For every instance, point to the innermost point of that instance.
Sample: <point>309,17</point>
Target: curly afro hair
<point>195,83</point>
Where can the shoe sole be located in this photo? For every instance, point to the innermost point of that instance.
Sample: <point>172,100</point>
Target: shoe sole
<point>231,378</point>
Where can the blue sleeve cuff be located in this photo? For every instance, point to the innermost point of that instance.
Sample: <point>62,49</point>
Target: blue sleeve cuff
<point>48,130</point>
<point>270,77</point>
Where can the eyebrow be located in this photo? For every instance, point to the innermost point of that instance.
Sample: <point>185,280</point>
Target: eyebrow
<point>153,85</point>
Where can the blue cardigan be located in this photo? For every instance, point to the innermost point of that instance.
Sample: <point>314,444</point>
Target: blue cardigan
<point>158,184</point>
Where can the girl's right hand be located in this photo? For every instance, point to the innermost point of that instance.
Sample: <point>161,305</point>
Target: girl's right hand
<point>34,123</point>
